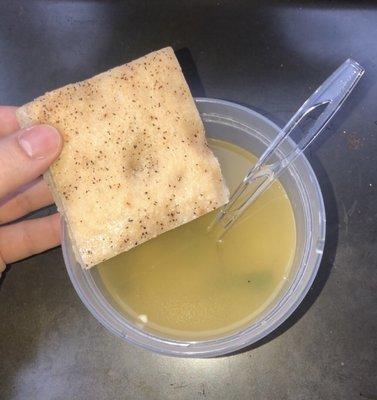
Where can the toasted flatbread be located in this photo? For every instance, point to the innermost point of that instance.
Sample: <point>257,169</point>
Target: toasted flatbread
<point>135,161</point>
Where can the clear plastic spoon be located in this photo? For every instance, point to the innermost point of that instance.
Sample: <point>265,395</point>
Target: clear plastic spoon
<point>330,96</point>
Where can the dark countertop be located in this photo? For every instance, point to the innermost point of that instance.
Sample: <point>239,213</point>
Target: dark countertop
<point>269,57</point>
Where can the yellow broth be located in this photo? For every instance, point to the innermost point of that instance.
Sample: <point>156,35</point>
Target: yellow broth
<point>186,285</point>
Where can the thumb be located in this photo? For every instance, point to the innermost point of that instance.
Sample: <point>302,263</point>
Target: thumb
<point>26,154</point>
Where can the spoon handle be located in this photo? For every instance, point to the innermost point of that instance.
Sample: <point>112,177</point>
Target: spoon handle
<point>330,97</point>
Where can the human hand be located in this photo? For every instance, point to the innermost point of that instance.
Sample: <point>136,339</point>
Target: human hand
<point>24,155</point>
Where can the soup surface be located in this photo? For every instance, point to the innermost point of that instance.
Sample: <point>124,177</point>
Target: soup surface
<point>186,285</point>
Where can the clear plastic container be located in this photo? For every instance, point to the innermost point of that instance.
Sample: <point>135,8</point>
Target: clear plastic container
<point>250,130</point>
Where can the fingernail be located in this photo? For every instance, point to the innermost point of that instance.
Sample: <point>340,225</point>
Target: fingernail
<point>40,141</point>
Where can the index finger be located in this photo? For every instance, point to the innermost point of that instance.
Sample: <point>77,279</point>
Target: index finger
<point>8,120</point>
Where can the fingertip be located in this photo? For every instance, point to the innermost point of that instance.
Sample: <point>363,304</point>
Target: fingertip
<point>2,266</point>
<point>26,238</point>
<point>56,227</point>
<point>8,120</point>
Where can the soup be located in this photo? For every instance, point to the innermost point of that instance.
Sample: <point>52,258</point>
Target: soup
<point>185,284</point>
